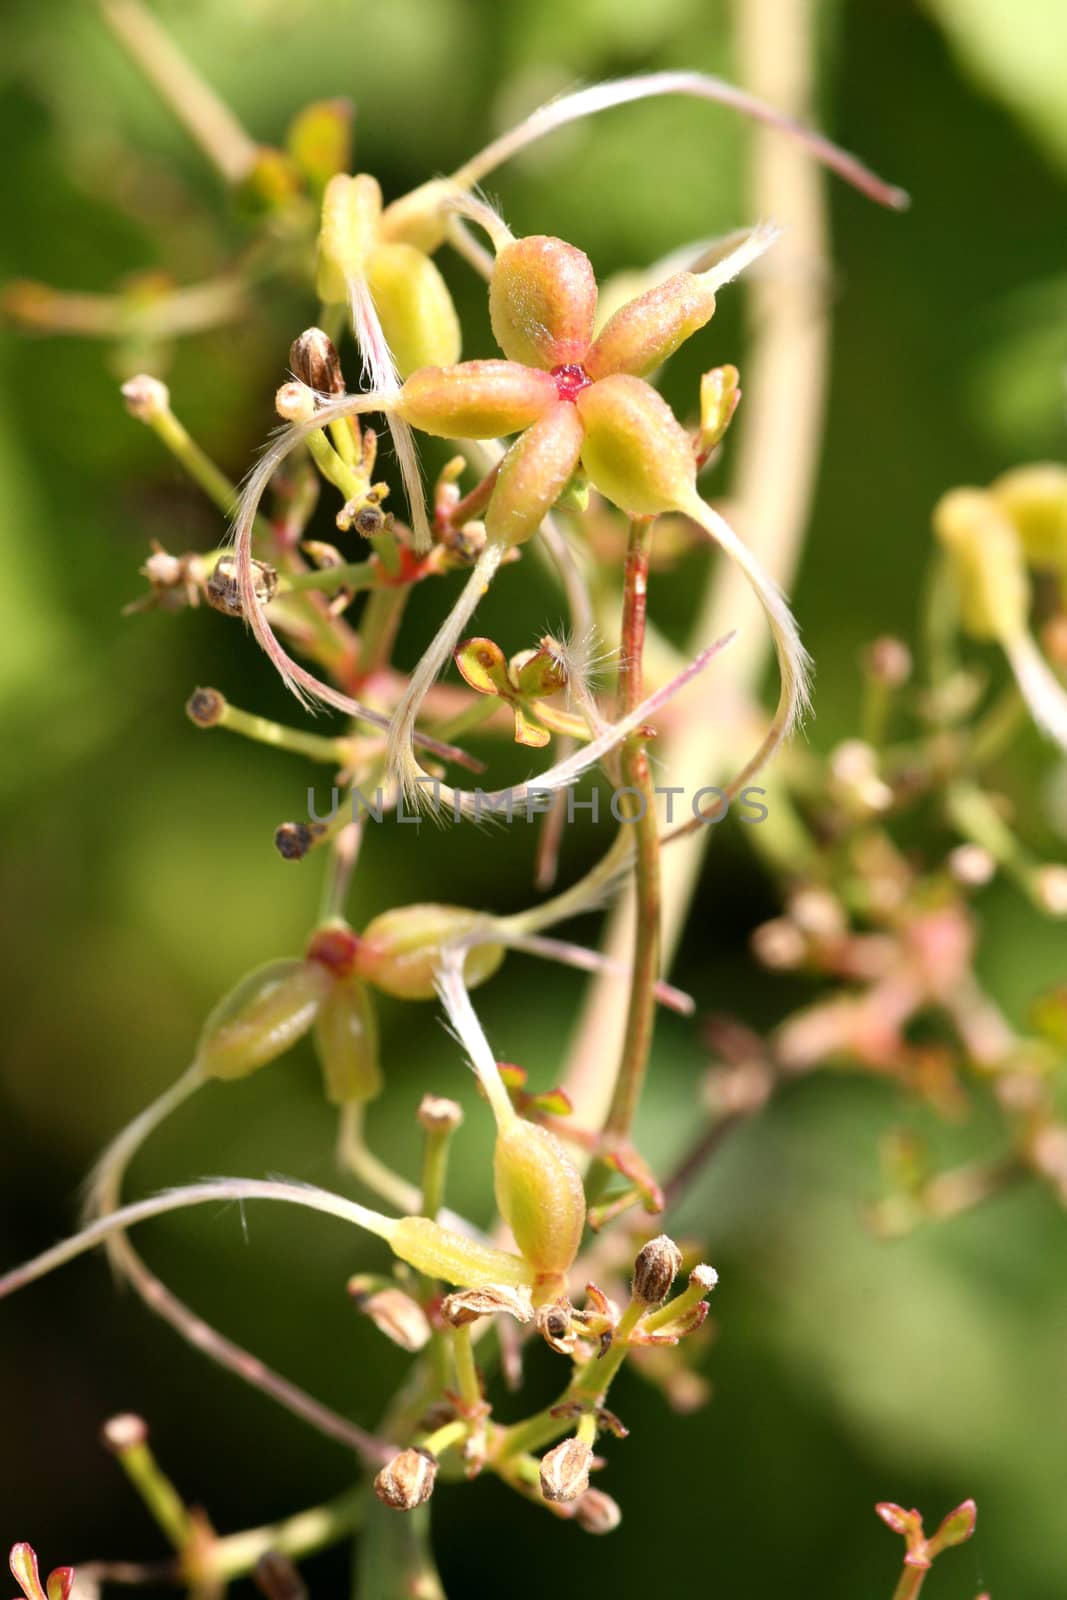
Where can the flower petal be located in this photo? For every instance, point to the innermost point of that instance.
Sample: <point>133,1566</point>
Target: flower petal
<point>534,474</point>
<point>542,302</point>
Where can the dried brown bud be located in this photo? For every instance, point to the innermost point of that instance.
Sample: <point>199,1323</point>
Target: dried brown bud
<point>124,1432</point>
<point>293,840</point>
<point>656,1267</point>
<point>146,398</point>
<point>438,1115</point>
<point>205,707</point>
<point>555,1326</point>
<point>314,360</point>
<point>407,1481</point>
<point>398,1316</point>
<point>565,1471</point>
<point>222,591</point>
<point>277,1578</point>
<point>597,1512</point>
<point>888,661</point>
<point>467,1305</point>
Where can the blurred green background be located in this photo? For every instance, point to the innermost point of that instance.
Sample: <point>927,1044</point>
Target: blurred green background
<point>139,880</point>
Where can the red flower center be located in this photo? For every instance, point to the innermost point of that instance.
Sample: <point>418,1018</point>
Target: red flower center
<point>571,379</point>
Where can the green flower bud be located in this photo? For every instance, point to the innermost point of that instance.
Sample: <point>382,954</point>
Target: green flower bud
<point>351,215</point>
<point>542,302</point>
<point>987,563</point>
<point>642,334</point>
<point>636,452</point>
<point>540,1195</point>
<point>320,140</point>
<point>400,950</point>
<point>258,1020</point>
<point>1034,498</point>
<point>534,474</point>
<point>415,307</point>
<point>476,399</point>
<point>346,1043</point>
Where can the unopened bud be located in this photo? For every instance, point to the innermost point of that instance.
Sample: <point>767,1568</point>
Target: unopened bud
<point>314,361</point>
<point>205,707</point>
<point>1035,499</point>
<point>146,398</point>
<point>407,1481</point>
<point>779,945</point>
<point>658,1264</point>
<point>888,661</point>
<point>223,591</point>
<point>597,1512</point>
<point>817,912</point>
<point>956,1528</point>
<point>987,564</point>
<point>261,1018</point>
<point>295,402</point>
<point>398,1316</point>
<point>351,221</point>
<point>415,307</point>
<point>971,865</point>
<point>467,1305</point>
<point>439,1115</point>
<point>854,771</point>
<point>277,1578</point>
<point>124,1432</point>
<point>1049,889</point>
<point>565,1471</point>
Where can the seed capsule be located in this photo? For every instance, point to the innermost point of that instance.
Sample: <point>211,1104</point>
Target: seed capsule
<point>542,302</point>
<point>415,308</point>
<point>565,1471</point>
<point>540,1195</point>
<point>401,949</point>
<point>476,399</point>
<point>656,1267</point>
<point>258,1020</point>
<point>534,474</point>
<point>645,332</point>
<point>346,1043</point>
<point>351,215</point>
<point>636,452</point>
<point>407,1481</point>
<point>314,360</point>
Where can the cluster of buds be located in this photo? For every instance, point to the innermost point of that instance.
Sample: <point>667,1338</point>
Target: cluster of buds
<point>24,1569</point>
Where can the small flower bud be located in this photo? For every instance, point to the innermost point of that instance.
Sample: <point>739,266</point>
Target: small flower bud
<point>277,1578</point>
<point>720,396</point>
<point>438,1115</point>
<point>314,361</point>
<point>779,945</point>
<point>294,402</point>
<point>467,1305</point>
<point>261,1018</point>
<point>124,1432</point>
<point>658,1264</point>
<point>407,1481</point>
<point>565,1471</point>
<point>476,399</point>
<point>541,1198</point>
<point>319,139</point>
<point>1048,886</point>
<point>987,564</point>
<point>542,302</point>
<point>146,398</point>
<point>351,219</point>
<point>400,950</point>
<point>222,590</point>
<point>1035,500</point>
<point>888,661</point>
<point>597,1512</point>
<point>398,1316</point>
<point>205,707</point>
<point>635,451</point>
<point>971,865</point>
<point>956,1528</point>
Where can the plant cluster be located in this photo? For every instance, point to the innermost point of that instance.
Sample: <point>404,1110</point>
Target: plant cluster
<point>601,478</point>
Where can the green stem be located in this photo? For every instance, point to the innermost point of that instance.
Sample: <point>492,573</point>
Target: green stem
<point>350,575</point>
<point>296,1536</point>
<point>911,1581</point>
<point>263,731</point>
